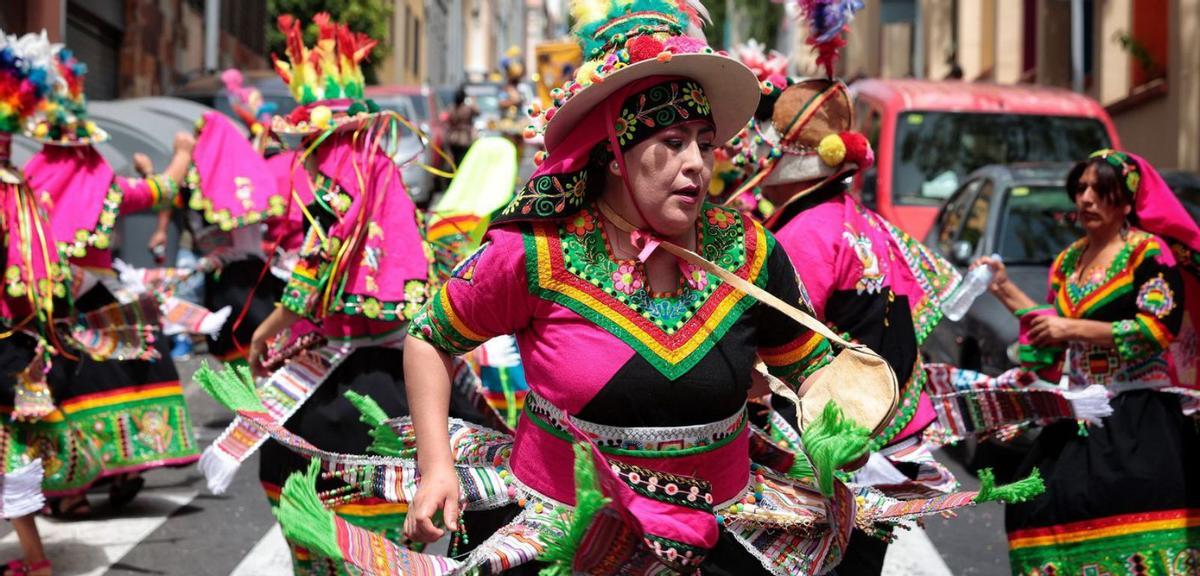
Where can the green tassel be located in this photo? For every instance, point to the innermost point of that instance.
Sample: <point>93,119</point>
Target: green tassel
<point>1019,491</point>
<point>801,468</point>
<point>832,441</point>
<point>386,441</point>
<point>560,553</point>
<point>232,387</point>
<point>302,517</point>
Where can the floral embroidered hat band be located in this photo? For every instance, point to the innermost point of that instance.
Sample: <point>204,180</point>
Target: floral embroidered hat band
<point>648,67</point>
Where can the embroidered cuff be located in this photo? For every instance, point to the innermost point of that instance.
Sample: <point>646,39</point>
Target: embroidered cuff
<point>303,288</point>
<point>1136,339</point>
<point>162,192</point>
<point>438,324</point>
<point>796,360</point>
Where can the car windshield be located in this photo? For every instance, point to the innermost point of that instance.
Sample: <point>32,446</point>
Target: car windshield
<point>1037,223</point>
<point>936,150</point>
<point>420,107</point>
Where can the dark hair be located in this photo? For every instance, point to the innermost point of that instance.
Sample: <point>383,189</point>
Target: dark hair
<point>1109,185</point>
<point>460,95</point>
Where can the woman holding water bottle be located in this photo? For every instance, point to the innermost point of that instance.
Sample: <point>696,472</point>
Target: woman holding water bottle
<point>1123,497</point>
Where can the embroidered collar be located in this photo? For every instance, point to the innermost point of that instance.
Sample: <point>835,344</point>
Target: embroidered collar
<point>569,262</point>
<point>1079,299</point>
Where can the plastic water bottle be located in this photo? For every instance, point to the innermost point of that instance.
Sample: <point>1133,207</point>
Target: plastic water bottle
<point>976,283</point>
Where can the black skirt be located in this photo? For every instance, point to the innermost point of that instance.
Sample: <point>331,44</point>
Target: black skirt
<point>232,286</point>
<point>1124,495</point>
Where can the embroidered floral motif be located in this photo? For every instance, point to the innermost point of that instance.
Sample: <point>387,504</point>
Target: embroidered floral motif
<point>694,96</point>
<point>871,280</point>
<point>719,218</point>
<point>626,125</point>
<point>695,276</point>
<point>1156,297</point>
<point>581,223</point>
<point>627,278</point>
<point>548,195</point>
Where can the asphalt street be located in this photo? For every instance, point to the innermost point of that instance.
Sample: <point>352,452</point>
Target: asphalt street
<point>176,527</point>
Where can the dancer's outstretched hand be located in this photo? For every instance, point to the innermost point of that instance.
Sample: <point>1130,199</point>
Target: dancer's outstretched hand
<point>437,492</point>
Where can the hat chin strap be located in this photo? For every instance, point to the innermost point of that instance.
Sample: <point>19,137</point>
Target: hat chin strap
<point>645,239</point>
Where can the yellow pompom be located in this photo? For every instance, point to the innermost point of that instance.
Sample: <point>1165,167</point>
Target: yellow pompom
<point>586,72</point>
<point>256,128</point>
<point>832,150</point>
<point>41,130</point>
<point>320,117</point>
<point>90,126</point>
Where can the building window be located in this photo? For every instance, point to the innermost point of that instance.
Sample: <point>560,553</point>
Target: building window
<point>1148,44</point>
<point>417,49</point>
<point>1029,37</point>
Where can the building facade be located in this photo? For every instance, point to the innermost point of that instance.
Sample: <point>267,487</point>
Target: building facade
<point>1139,58</point>
<point>143,47</point>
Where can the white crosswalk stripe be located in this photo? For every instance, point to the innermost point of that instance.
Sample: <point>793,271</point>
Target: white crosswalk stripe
<point>89,547</point>
<point>913,554</point>
<point>270,557</point>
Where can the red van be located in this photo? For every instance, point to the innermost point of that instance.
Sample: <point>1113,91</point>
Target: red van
<point>929,135</point>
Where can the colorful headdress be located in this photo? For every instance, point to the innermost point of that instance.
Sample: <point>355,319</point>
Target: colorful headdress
<point>1127,169</point>
<point>62,119</point>
<point>804,132</point>
<point>647,67</point>
<point>326,80</point>
<point>27,76</point>
<point>35,273</point>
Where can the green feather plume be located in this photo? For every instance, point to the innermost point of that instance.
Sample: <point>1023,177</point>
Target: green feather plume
<point>589,500</point>
<point>233,387</point>
<point>591,15</point>
<point>386,441</point>
<point>1019,491</point>
<point>302,517</point>
<point>830,442</point>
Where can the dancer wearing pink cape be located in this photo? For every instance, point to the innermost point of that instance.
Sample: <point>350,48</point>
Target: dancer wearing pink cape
<point>230,195</point>
<point>362,272</point>
<point>37,290</point>
<point>131,411</point>
<point>1121,313</point>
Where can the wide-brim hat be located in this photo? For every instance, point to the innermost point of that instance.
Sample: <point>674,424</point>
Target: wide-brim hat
<point>731,88</point>
<point>809,136</point>
<point>331,116</point>
<point>40,132</point>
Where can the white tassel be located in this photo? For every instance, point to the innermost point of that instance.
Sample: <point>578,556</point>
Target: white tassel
<point>1090,404</point>
<point>219,469</point>
<point>213,323</point>
<point>131,277</point>
<point>22,491</point>
<point>501,352</point>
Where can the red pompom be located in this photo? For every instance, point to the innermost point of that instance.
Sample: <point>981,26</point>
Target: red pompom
<point>299,114</point>
<point>858,150</point>
<point>643,48</point>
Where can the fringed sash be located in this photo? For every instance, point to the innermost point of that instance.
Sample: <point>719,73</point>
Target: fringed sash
<point>288,388</point>
<point>970,403</point>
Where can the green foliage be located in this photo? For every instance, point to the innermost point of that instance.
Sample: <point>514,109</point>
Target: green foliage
<point>761,19</point>
<point>371,17</point>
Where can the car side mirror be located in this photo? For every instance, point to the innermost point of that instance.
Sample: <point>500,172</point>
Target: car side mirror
<point>961,253</point>
<point>869,180</point>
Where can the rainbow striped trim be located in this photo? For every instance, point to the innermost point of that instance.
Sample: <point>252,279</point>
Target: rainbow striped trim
<point>1117,285</point>
<point>671,351</point>
<point>1161,542</point>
